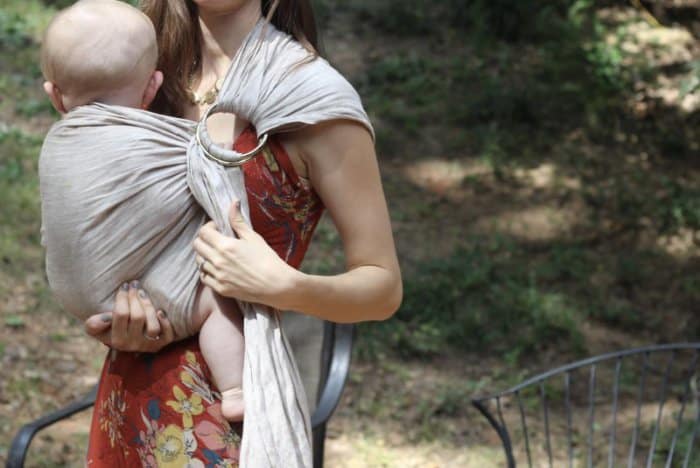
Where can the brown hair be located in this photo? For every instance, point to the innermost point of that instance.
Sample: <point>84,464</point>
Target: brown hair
<point>180,41</point>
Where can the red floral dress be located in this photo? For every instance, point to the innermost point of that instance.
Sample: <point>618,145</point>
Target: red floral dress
<point>162,410</point>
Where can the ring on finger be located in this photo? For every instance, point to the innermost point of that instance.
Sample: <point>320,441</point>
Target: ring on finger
<point>151,338</point>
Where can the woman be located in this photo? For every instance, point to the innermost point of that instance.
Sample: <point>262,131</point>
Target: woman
<point>161,409</point>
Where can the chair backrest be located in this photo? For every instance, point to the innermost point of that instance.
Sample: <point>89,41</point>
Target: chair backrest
<point>635,408</point>
<point>308,339</point>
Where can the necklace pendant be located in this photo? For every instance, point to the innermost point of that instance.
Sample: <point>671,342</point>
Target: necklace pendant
<point>210,96</point>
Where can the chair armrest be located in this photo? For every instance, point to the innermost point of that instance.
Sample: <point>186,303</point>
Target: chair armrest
<point>337,374</point>
<point>20,444</point>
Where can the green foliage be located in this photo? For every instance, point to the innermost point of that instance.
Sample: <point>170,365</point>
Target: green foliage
<point>14,321</point>
<point>642,198</point>
<point>13,31</point>
<point>682,443</point>
<point>562,74</point>
<point>692,83</point>
<point>678,206</point>
<point>481,297</point>
<point>31,107</point>
<point>403,17</point>
<point>19,191</point>
<point>515,21</point>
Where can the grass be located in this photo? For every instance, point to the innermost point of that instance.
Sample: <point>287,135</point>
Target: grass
<point>681,445</point>
<point>19,218</point>
<point>485,297</point>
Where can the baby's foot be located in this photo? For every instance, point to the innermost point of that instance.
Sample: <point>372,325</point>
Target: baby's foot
<point>232,404</point>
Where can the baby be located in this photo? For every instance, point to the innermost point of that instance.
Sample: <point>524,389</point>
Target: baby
<point>105,51</point>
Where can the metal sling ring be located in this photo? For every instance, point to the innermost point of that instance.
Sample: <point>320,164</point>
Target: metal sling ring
<point>227,158</point>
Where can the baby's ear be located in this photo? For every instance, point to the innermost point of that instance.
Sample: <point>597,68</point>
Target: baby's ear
<point>154,83</point>
<point>55,96</point>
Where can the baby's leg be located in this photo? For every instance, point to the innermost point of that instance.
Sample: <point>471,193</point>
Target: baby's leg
<point>222,344</point>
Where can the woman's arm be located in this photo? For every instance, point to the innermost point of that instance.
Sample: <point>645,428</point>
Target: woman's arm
<point>343,169</point>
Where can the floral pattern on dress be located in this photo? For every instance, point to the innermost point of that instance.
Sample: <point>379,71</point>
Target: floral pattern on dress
<point>186,406</point>
<point>111,417</point>
<point>294,210</point>
<point>193,378</point>
<point>219,436</point>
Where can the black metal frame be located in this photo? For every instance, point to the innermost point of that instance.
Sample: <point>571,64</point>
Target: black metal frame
<point>335,361</point>
<point>498,423</point>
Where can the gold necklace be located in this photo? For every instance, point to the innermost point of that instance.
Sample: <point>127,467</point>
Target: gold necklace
<point>207,98</point>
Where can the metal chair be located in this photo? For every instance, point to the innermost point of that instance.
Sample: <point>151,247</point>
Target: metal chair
<point>335,363</point>
<point>637,407</point>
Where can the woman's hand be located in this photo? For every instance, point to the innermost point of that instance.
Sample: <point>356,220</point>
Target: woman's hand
<point>245,268</point>
<point>134,325</point>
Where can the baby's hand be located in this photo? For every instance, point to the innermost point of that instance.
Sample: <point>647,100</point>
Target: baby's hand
<point>134,325</point>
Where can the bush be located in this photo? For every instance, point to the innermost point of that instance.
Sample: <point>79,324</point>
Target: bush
<point>480,298</point>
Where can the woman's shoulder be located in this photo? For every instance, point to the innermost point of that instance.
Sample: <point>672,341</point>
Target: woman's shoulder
<point>273,73</point>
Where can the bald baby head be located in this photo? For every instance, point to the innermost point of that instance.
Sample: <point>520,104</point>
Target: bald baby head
<point>99,50</point>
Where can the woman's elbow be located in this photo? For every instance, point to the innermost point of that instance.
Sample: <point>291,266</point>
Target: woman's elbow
<point>392,301</point>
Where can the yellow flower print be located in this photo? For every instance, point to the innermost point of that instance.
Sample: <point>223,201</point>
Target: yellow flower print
<point>191,358</point>
<point>187,407</point>
<point>170,448</point>
<point>186,379</point>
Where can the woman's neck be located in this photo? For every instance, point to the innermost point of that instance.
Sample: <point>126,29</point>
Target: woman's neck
<point>222,35</point>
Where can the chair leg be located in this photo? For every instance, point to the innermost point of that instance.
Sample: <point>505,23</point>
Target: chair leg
<point>319,441</point>
<point>20,444</point>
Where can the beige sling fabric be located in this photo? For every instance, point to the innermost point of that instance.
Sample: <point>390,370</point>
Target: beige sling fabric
<point>121,196</point>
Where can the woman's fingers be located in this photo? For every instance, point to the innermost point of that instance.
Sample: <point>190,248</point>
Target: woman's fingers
<point>237,222</point>
<point>212,237</point>
<point>213,283</point>
<point>104,337</point>
<point>137,314</point>
<point>134,325</point>
<point>209,234</point>
<point>167,335</point>
<point>120,317</point>
<point>208,269</point>
<point>205,266</point>
<point>152,330</point>
<point>206,251</point>
<point>98,324</point>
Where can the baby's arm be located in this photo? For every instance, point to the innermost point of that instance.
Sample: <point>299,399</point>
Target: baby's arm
<point>222,344</point>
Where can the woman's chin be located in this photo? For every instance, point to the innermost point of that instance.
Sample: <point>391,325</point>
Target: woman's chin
<point>221,6</point>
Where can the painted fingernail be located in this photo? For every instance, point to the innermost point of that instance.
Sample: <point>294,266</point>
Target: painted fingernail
<point>135,284</point>
<point>106,318</point>
<point>125,287</point>
<point>142,294</point>
<point>162,314</point>
<point>238,204</point>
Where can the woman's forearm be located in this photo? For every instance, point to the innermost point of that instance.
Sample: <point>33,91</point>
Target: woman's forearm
<point>364,293</point>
